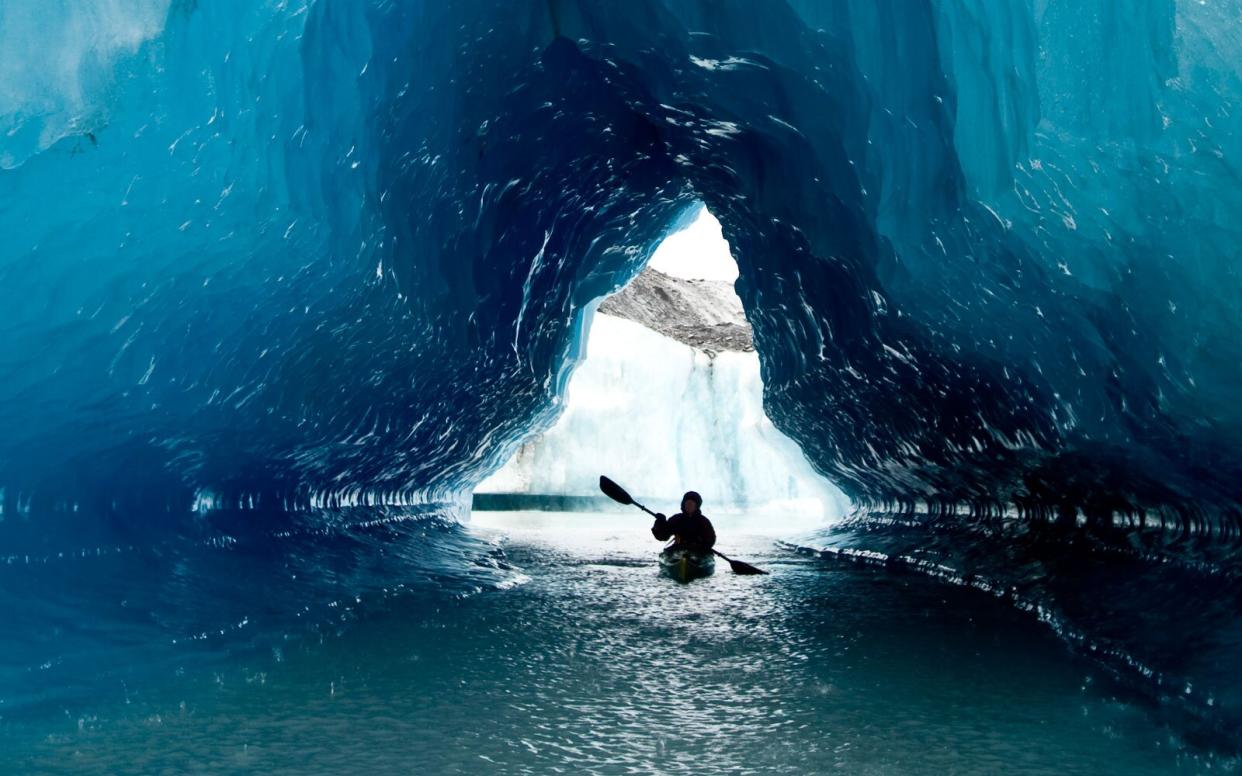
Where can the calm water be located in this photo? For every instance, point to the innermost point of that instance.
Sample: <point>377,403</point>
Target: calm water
<point>567,653</point>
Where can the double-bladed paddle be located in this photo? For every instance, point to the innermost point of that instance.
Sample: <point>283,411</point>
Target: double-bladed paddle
<point>617,493</point>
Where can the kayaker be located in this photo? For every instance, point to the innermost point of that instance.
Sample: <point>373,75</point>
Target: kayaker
<point>690,529</point>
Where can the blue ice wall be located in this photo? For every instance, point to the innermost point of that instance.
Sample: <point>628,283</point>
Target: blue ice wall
<point>331,250</point>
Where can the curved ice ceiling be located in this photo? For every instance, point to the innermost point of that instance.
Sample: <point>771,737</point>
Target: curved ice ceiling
<point>289,250</point>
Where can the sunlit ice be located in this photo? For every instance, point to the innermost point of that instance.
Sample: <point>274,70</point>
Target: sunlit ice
<point>663,417</point>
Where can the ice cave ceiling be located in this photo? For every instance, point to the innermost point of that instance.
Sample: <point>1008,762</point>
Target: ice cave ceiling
<point>289,249</point>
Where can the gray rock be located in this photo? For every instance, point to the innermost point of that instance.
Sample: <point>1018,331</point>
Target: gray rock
<point>704,314</point>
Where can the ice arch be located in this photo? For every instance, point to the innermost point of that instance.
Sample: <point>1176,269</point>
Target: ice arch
<point>340,251</point>
<point>668,397</point>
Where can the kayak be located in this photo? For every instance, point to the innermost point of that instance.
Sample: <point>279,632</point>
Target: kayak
<point>685,565</point>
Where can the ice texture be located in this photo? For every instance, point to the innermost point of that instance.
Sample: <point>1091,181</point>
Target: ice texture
<point>302,252</point>
<point>663,417</point>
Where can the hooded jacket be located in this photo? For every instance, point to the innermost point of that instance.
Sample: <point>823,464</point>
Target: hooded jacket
<point>690,531</point>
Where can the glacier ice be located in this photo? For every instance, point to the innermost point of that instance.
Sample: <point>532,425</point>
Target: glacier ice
<point>289,253</point>
<point>319,252</point>
<point>662,418</point>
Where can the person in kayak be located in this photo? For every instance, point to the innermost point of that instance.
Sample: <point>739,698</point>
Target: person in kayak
<point>690,529</point>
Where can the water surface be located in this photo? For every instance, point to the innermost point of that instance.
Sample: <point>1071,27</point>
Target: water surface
<point>555,646</point>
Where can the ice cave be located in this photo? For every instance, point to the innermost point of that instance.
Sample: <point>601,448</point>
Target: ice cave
<point>984,269</point>
<point>288,287</point>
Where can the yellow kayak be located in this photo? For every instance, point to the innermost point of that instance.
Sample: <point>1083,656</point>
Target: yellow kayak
<point>685,565</point>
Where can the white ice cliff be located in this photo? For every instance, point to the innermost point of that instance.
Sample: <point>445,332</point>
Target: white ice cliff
<point>662,416</point>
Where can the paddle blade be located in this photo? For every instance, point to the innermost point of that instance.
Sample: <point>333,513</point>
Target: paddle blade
<point>614,491</point>
<point>744,568</point>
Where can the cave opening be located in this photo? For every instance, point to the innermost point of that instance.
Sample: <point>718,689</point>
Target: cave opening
<point>667,397</point>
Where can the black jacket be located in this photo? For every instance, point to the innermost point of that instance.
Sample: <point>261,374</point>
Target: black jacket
<point>692,531</point>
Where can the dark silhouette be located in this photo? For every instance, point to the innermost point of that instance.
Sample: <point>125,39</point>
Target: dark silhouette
<point>690,529</point>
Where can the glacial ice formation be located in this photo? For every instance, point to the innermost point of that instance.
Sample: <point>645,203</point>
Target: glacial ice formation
<point>301,252</point>
<point>668,397</point>
<point>664,417</point>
